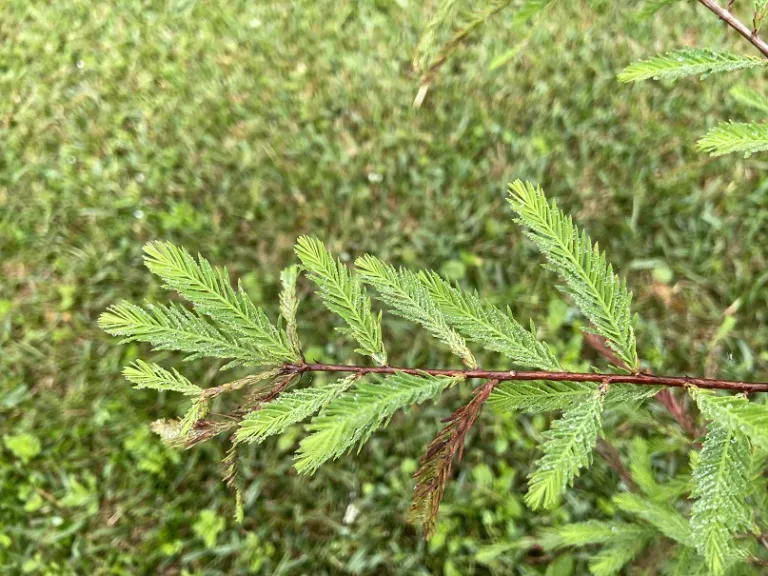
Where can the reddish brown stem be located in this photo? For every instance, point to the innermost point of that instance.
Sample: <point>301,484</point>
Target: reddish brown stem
<point>641,379</point>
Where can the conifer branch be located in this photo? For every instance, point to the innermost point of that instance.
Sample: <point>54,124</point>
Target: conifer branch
<point>640,378</point>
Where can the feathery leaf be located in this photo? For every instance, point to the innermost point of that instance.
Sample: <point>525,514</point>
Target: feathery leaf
<point>661,516</point>
<point>734,412</point>
<point>538,396</point>
<point>591,532</point>
<point>567,449</point>
<point>289,305</point>
<point>687,62</point>
<point>611,559</point>
<point>154,376</point>
<point>288,409</point>
<point>750,97</point>
<point>481,322</point>
<point>173,327</point>
<point>405,295</point>
<point>351,418</point>
<point>746,137</point>
<point>343,293</point>
<point>211,293</point>
<point>684,561</point>
<point>600,294</point>
<point>722,486</point>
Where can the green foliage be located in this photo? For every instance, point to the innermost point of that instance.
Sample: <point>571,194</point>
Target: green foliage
<point>408,298</point>
<point>23,446</point>
<point>173,327</point>
<point>538,396</point>
<point>567,449</point>
<point>688,62</point>
<point>661,516</point>
<point>210,291</point>
<point>481,322</point>
<point>592,532</point>
<point>736,413</point>
<point>622,541</point>
<point>731,137</point>
<point>600,294</point>
<point>722,485</point>
<point>289,305</point>
<point>289,409</point>
<point>611,559</point>
<point>230,151</point>
<point>343,294</point>
<point>351,418</point>
<point>750,97</point>
<point>145,375</point>
<point>650,7</point>
<point>208,527</point>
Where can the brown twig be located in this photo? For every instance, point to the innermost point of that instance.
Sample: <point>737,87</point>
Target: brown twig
<point>640,378</point>
<point>737,25</point>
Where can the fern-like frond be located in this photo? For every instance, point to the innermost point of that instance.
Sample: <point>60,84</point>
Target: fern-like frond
<point>538,396</point>
<point>592,532</point>
<point>405,295</point>
<point>627,393</point>
<point>153,376</point>
<point>350,419</point>
<point>288,409</point>
<point>210,291</point>
<point>734,412</point>
<point>343,294</point>
<point>481,322</point>
<point>665,519</point>
<point>611,559</point>
<point>722,485</point>
<point>640,467</point>
<point>567,449</point>
<point>729,137</point>
<point>684,561</point>
<point>289,305</point>
<point>750,97</point>
<point>174,327</point>
<point>643,475</point>
<point>600,294</point>
<point>688,62</point>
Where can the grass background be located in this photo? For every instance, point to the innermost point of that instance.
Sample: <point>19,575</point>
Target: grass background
<point>232,128</point>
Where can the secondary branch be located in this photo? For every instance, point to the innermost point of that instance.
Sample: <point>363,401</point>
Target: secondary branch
<point>736,24</point>
<point>520,375</point>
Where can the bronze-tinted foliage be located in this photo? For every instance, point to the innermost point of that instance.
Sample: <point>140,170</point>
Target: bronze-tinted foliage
<point>435,466</point>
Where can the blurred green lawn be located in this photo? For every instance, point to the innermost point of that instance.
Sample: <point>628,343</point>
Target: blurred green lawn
<point>232,128</point>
